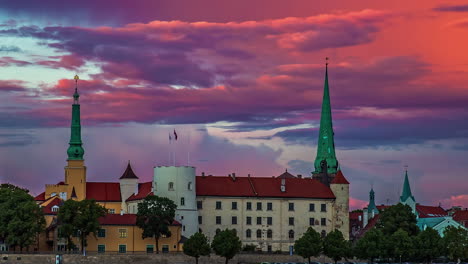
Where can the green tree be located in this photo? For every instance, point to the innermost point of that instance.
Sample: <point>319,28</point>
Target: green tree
<point>83,221</point>
<point>398,217</point>
<point>401,244</point>
<point>335,246</point>
<point>226,244</point>
<point>309,245</point>
<point>155,215</point>
<point>370,246</point>
<point>456,243</point>
<point>21,220</point>
<point>197,245</point>
<point>428,244</point>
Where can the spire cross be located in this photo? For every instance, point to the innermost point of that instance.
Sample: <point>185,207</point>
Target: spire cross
<point>326,61</point>
<point>76,82</point>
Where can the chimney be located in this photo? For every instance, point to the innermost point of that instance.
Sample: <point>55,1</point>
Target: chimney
<point>283,185</point>
<point>299,176</point>
<point>233,176</point>
<point>203,174</point>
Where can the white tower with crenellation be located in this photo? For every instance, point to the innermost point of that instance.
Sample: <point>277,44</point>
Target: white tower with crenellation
<point>178,184</point>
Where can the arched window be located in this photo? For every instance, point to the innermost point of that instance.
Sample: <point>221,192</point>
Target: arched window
<point>218,230</point>
<point>291,234</point>
<point>55,208</point>
<point>269,233</point>
<point>259,233</point>
<point>171,186</point>
<point>189,187</point>
<point>324,233</point>
<point>182,201</point>
<point>248,233</point>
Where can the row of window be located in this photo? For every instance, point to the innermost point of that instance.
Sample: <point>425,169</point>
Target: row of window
<point>269,233</point>
<point>170,186</point>
<point>122,233</point>
<point>123,248</point>
<point>269,206</point>
<point>269,220</point>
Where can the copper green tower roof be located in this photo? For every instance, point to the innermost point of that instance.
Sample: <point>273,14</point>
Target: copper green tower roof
<point>371,205</point>
<point>406,190</point>
<point>326,142</point>
<point>75,150</point>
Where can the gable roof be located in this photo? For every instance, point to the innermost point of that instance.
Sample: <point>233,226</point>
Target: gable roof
<point>144,189</point>
<point>128,173</point>
<point>261,187</point>
<point>406,193</point>
<point>339,179</point>
<point>286,175</point>
<point>125,219</point>
<point>53,201</point>
<point>430,211</point>
<point>103,191</point>
<point>40,197</point>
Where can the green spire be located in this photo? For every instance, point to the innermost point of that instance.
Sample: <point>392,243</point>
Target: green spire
<point>326,143</point>
<point>371,205</point>
<point>406,190</point>
<point>75,150</point>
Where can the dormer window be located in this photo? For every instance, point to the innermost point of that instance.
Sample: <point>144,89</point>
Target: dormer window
<point>171,186</point>
<point>55,208</point>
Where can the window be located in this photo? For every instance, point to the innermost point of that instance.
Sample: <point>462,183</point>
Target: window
<point>101,233</point>
<point>291,221</point>
<point>122,233</point>
<point>171,186</point>
<point>324,234</point>
<point>111,211</point>
<point>291,234</point>
<point>291,206</point>
<point>217,230</point>
<point>259,220</point>
<point>183,228</point>
<point>269,206</point>
<point>165,249</point>
<point>323,221</point>
<point>101,248</point>
<point>53,194</point>
<point>311,207</point>
<point>269,220</point>
<point>311,221</point>
<point>248,220</point>
<point>259,233</point>
<point>199,205</point>
<point>182,201</point>
<point>323,207</point>
<point>269,233</point>
<point>218,220</point>
<point>234,220</point>
<point>122,248</point>
<point>55,208</point>
<point>189,186</point>
<point>269,248</point>
<point>249,206</point>
<point>218,205</point>
<point>234,206</point>
<point>248,233</point>
<point>149,248</point>
<point>200,220</point>
<point>63,195</point>
<point>259,206</point>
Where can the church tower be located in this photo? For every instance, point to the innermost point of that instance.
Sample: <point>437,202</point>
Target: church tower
<point>406,195</point>
<point>75,171</point>
<point>326,164</point>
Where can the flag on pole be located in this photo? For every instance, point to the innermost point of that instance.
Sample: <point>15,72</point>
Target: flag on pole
<point>175,135</point>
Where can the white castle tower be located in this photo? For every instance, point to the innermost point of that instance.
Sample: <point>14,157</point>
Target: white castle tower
<point>178,184</point>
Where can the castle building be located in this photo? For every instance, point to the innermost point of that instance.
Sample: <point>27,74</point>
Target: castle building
<point>269,212</point>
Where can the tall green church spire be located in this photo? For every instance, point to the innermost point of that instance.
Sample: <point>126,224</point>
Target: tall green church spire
<point>326,143</point>
<point>371,205</point>
<point>406,193</point>
<point>75,150</point>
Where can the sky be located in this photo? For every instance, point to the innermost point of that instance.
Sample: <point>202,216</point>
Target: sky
<point>241,82</point>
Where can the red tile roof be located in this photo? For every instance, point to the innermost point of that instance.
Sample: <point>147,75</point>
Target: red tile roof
<point>382,207</point>
<point>261,187</point>
<point>125,219</point>
<point>103,191</point>
<point>372,223</point>
<point>40,197</point>
<point>355,215</point>
<point>430,211</point>
<point>144,189</point>
<point>339,179</point>
<point>461,216</point>
<point>56,201</point>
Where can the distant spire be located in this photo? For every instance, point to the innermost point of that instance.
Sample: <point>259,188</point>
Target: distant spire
<point>406,193</point>
<point>128,173</point>
<point>326,142</point>
<point>371,205</point>
<point>75,150</point>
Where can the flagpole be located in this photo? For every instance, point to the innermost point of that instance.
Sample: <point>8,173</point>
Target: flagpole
<point>169,150</point>
<point>188,150</point>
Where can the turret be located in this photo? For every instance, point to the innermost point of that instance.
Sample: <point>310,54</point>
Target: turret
<point>128,184</point>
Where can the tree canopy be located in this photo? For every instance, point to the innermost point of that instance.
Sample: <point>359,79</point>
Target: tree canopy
<point>335,246</point>
<point>197,245</point>
<point>155,215</point>
<point>428,244</point>
<point>456,243</point>
<point>226,244</point>
<point>371,245</point>
<point>309,245</point>
<point>396,217</point>
<point>21,219</point>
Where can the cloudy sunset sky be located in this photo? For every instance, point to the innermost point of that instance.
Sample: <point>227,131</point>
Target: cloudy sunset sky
<point>241,82</point>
